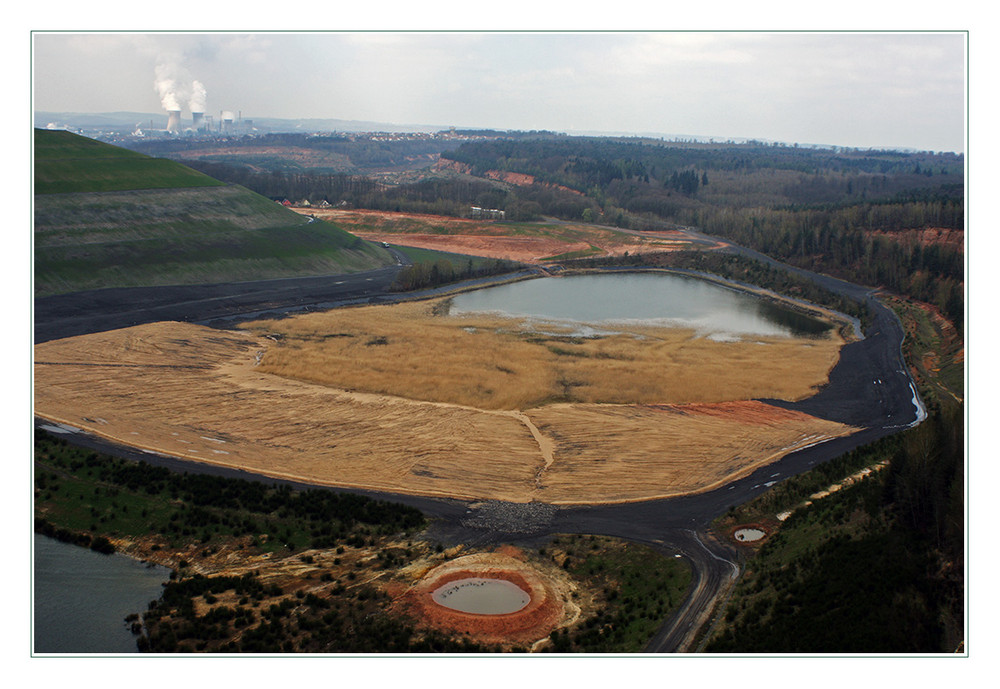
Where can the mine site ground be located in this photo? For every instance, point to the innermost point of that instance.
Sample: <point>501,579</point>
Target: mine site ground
<point>200,398</point>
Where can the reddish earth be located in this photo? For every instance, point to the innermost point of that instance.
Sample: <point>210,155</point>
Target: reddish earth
<point>518,179</point>
<point>747,411</point>
<point>546,611</point>
<point>929,236</point>
<point>491,240</point>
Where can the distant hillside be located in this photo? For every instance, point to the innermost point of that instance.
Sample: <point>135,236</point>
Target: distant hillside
<point>108,217</point>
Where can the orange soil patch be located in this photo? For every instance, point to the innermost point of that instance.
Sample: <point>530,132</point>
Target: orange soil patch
<point>929,236</point>
<point>517,178</point>
<point>493,240</point>
<point>391,218</point>
<point>548,608</point>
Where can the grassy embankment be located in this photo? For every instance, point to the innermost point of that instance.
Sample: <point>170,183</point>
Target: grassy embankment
<point>935,352</point>
<point>107,217</point>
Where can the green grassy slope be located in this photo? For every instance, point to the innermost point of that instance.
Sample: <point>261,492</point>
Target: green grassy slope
<point>67,163</point>
<point>107,217</point>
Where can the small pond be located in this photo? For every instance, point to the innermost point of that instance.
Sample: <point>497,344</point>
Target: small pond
<point>660,299</point>
<point>482,596</point>
<point>749,534</point>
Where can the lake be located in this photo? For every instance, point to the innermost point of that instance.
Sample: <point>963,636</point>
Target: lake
<point>81,598</point>
<point>658,299</point>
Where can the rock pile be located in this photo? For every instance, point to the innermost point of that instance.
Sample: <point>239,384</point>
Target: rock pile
<point>510,517</point>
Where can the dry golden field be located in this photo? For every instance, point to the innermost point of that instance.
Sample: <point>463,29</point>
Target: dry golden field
<point>402,400</point>
<point>412,350</point>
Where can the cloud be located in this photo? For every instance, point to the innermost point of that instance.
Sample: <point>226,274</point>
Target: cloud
<point>836,88</point>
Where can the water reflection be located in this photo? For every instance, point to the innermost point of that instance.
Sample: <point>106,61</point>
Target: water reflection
<point>81,598</point>
<point>648,298</point>
<point>482,596</point>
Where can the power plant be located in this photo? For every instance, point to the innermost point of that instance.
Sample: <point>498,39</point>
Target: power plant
<point>174,121</point>
<point>175,87</point>
<point>227,124</point>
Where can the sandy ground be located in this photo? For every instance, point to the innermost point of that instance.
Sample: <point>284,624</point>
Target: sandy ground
<point>198,393</point>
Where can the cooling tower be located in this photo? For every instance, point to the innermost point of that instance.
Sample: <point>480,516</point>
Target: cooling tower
<point>174,121</point>
<point>199,120</point>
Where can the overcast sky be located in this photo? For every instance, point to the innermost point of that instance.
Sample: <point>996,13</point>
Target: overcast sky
<point>852,89</point>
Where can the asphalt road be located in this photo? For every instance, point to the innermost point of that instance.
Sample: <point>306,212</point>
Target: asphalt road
<point>869,388</point>
<point>80,313</point>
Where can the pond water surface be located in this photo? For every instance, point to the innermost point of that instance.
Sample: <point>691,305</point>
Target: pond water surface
<point>482,596</point>
<point>81,598</point>
<point>662,299</point>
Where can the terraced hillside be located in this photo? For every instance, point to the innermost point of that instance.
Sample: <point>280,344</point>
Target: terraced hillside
<point>108,217</point>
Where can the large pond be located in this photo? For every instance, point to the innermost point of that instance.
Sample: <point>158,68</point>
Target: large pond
<point>482,596</point>
<point>661,299</point>
<point>82,598</point>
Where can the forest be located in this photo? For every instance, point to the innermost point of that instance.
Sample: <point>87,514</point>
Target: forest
<point>876,567</point>
<point>852,213</point>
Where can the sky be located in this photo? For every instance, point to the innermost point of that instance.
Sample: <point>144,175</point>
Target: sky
<point>858,89</point>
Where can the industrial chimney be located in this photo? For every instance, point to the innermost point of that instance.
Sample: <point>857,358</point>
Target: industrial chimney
<point>174,121</point>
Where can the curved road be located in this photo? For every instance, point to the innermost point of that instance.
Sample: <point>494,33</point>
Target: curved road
<point>869,388</point>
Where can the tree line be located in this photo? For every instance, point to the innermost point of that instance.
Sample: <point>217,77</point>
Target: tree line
<point>204,505</point>
<point>886,575</point>
<point>838,211</point>
<point>441,272</point>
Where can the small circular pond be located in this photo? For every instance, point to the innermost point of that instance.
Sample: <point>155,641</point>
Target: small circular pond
<point>482,596</point>
<point>749,534</point>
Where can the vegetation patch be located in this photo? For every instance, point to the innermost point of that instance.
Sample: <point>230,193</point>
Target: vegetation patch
<point>443,271</point>
<point>637,587</point>
<point>68,163</point>
<point>934,351</point>
<point>874,567</point>
<point>159,230</point>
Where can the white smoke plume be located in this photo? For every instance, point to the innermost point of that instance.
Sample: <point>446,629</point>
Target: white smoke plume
<point>174,87</point>
<point>198,96</point>
<point>167,87</point>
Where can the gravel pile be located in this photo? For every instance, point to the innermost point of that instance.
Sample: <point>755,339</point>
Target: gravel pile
<point>509,517</point>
